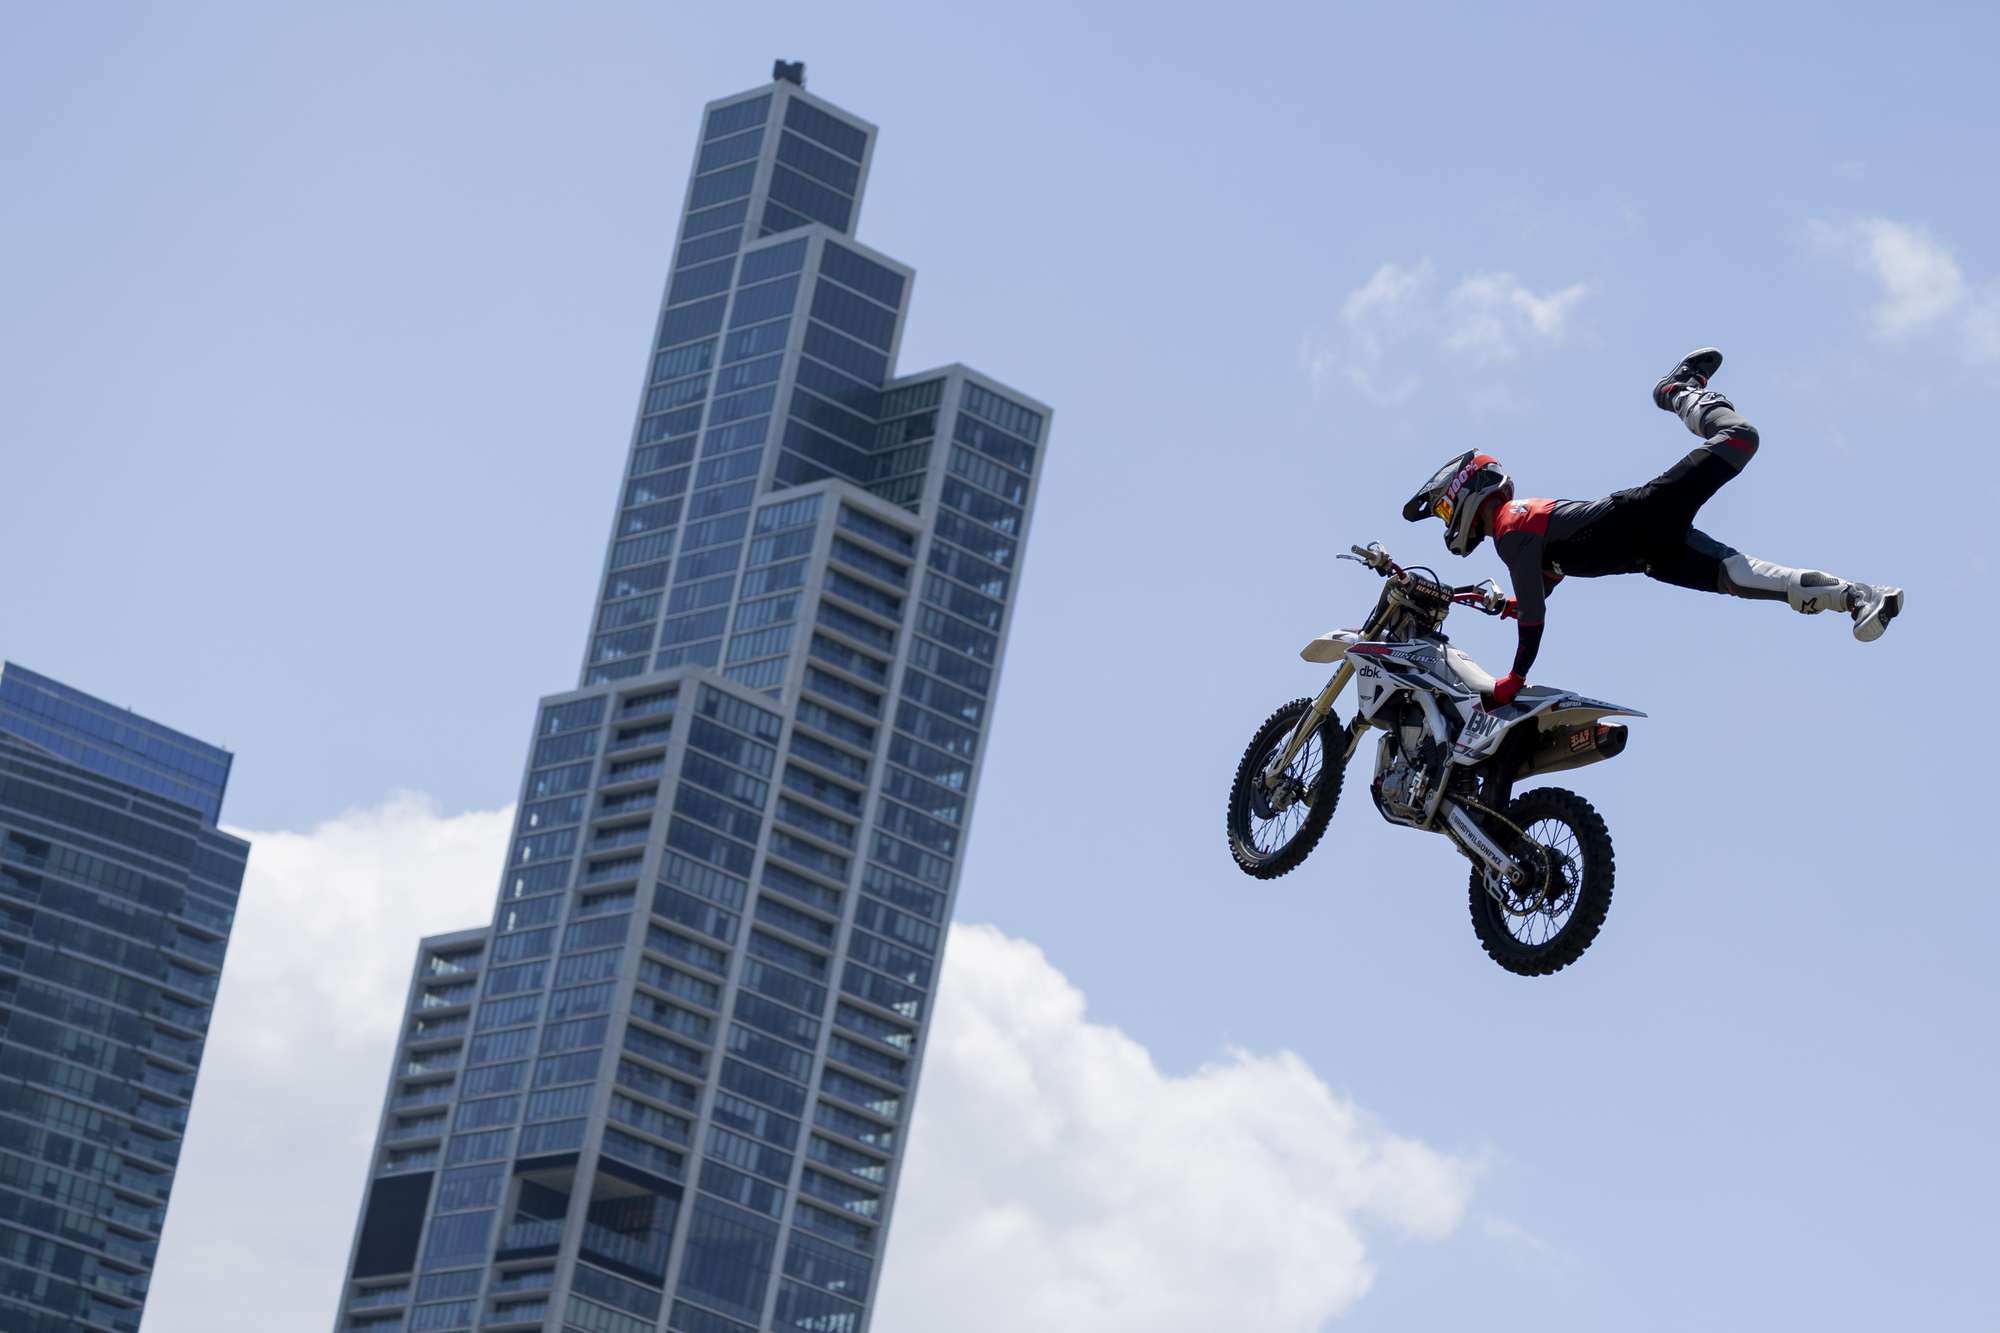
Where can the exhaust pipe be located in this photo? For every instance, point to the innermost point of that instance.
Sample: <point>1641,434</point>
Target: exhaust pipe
<point>1573,747</point>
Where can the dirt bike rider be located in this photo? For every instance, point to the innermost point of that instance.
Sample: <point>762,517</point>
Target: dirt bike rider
<point>1648,529</point>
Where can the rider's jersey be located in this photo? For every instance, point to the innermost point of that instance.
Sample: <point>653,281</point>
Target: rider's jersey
<point>1542,540</point>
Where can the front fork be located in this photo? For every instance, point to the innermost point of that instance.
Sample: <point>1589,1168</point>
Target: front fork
<point>1321,706</point>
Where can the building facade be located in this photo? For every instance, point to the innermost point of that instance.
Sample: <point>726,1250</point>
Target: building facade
<point>117,893</point>
<point>669,1085</point>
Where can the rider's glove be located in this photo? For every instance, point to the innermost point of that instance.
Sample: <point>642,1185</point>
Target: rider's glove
<point>1505,688</point>
<point>1511,611</point>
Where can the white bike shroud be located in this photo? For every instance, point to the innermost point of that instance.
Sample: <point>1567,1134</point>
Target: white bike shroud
<point>1429,670</point>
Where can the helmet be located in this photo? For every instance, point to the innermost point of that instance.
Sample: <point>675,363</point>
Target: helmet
<point>1456,494</point>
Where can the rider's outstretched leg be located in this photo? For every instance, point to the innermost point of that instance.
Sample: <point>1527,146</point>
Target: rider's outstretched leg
<point>1707,565</point>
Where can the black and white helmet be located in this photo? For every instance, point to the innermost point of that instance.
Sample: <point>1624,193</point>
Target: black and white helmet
<point>1456,493</point>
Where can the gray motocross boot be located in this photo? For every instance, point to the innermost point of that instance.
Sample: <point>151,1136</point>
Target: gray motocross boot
<point>1874,606</point>
<point>1694,372</point>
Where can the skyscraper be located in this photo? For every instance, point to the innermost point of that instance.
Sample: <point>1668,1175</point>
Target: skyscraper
<point>670,1084</point>
<point>117,893</point>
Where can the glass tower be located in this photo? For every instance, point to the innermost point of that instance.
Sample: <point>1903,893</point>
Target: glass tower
<point>669,1085</point>
<point>117,893</point>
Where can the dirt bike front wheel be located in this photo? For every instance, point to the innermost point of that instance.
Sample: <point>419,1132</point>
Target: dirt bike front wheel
<point>1544,923</point>
<point>1271,831</point>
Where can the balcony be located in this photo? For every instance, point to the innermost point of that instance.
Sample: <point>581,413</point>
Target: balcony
<point>203,951</point>
<point>129,1250</point>
<point>379,1296</point>
<point>518,1312</point>
<point>434,1029</point>
<point>648,1256</point>
<point>426,1127</point>
<point>140,1218</point>
<point>533,1235</point>
<point>169,1082</point>
<point>603,872</point>
<point>430,1094</point>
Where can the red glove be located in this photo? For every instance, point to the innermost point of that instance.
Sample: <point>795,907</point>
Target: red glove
<point>1505,688</point>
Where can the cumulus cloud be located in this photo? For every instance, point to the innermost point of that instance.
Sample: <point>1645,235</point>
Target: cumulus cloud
<point>1923,287</point>
<point>1059,1181</point>
<point>298,1058</point>
<point>1486,317</point>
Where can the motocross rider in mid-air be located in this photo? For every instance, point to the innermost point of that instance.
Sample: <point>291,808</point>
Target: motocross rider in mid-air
<point>1646,530</point>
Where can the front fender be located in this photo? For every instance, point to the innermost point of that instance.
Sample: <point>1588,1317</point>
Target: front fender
<point>1331,646</point>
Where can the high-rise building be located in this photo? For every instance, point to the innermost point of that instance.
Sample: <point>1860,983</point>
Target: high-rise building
<point>117,893</point>
<point>670,1084</point>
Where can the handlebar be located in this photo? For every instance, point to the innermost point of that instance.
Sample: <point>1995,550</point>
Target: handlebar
<point>1484,596</point>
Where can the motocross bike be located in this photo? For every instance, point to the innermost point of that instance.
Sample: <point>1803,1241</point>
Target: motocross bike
<point>1446,763</point>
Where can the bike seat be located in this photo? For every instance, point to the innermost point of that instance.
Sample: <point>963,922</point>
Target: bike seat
<point>1470,673</point>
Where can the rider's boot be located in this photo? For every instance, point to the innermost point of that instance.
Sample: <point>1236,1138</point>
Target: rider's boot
<point>1685,392</point>
<point>1810,591</point>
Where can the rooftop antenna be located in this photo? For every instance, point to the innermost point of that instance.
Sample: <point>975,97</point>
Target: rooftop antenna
<point>791,71</point>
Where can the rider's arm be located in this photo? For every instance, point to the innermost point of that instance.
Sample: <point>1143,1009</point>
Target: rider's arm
<point>1523,553</point>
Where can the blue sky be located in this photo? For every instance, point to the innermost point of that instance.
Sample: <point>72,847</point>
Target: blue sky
<point>321,329</point>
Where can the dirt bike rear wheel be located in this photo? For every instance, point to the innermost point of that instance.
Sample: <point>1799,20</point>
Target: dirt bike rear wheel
<point>1544,925</point>
<point>1269,835</point>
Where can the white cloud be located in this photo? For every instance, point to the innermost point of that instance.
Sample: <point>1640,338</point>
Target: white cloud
<point>1487,317</point>
<point>298,1058</point>
<point>1923,287</point>
<point>1058,1181</point>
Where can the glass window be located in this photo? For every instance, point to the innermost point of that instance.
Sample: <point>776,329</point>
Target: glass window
<point>721,185</point>
<point>756,1120</point>
<point>741,405</point>
<point>984,508</point>
<point>699,654</point>
<point>880,1029</point>
<point>845,622</point>
<point>850,393</point>
<point>761,643</point>
<point>819,789</point>
<point>977,537</point>
<point>875,530</point>
<point>921,829</point>
<point>458,1239</point>
<point>948,770</point>
<point>735,148</point>
<point>577,1032</point>
<point>881,603</point>
<point>476,1147</point>
<point>957,634</point>
<point>727,1259</point>
<point>938,802</point>
<point>747,375</point>
<point>912,397</point>
<point>988,579</point>
<point>730,467</point>
<point>847,659</point>
<point>706,736</point>
<point>694,595</point>
<point>741,1078</point>
<point>853,314</point>
<point>983,472</point>
<point>846,354</point>
<point>723,440</point>
<point>501,1046</point>
<point>691,321</point>
<point>734,496</point>
<point>814,161</point>
<point>738,116</point>
<point>988,440</point>
<point>627,613</point>
<point>869,563</point>
<point>728,215</point>
<point>840,692</point>
<point>758,341</point>
<point>859,1128</point>
<point>689,360</point>
<point>777,219</point>
<point>749,615</point>
<point>773,578</point>
<point>810,198</point>
<point>927,726</point>
<point>774,260</point>
<point>654,457</point>
<point>504,1013</point>
<point>658,1086</point>
<point>648,517</point>
<point>654,429</point>
<point>691,284</point>
<point>706,563</point>
<point>754,305</point>
<point>705,772</point>
<point>1002,413</point>
<point>716,530</point>
<point>841,137</point>
<point>792,513</point>
<point>641,549</point>
<point>904,893</point>
<point>494,1078</point>
<point>694,627</point>
<point>814,751</point>
<point>961,601</point>
<point>833,724</point>
<point>864,275</point>
<point>783,546</point>
<point>625,643</point>
<point>865,1095</point>
<point>630,583</point>
<point>712,246</point>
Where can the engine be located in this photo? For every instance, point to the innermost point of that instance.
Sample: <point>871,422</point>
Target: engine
<point>1407,765</point>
